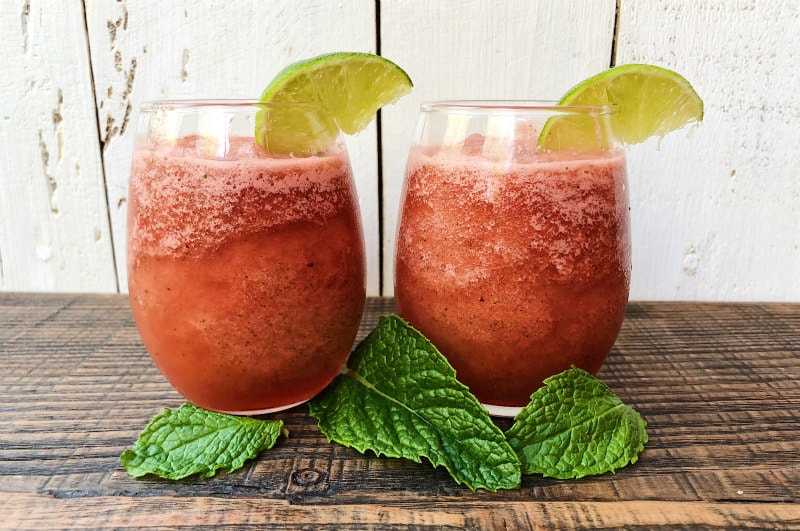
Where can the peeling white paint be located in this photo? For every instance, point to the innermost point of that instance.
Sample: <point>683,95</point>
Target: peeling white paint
<point>715,210</point>
<point>188,50</point>
<point>51,193</point>
<point>26,11</point>
<point>58,123</point>
<point>52,184</point>
<point>185,69</point>
<point>691,261</point>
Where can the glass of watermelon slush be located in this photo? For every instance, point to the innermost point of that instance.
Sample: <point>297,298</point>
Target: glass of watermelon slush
<point>246,268</point>
<point>513,251</point>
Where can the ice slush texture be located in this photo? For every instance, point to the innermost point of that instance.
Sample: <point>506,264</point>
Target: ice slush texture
<point>515,268</point>
<point>246,273</point>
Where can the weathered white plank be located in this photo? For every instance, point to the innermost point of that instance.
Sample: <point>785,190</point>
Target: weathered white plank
<point>150,49</point>
<point>482,50</point>
<point>714,217</point>
<point>54,230</point>
<point>717,216</point>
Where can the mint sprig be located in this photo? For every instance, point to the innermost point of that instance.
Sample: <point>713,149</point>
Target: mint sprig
<point>575,426</point>
<point>190,440</point>
<point>399,397</point>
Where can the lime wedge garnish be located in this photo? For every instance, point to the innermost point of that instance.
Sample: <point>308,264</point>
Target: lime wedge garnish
<point>648,101</point>
<point>348,87</point>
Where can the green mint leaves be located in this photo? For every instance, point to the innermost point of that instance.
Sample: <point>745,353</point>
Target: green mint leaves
<point>400,398</point>
<point>575,426</point>
<point>190,440</point>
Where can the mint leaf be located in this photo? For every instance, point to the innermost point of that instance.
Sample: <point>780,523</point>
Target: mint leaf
<point>575,426</point>
<point>399,397</point>
<point>190,440</point>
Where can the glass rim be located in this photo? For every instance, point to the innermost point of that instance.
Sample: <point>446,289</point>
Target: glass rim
<point>186,104</point>
<point>480,107</point>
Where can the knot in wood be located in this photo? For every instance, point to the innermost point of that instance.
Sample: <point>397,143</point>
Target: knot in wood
<point>308,477</point>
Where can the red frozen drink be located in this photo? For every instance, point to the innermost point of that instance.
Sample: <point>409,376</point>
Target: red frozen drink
<point>515,264</point>
<point>246,272</point>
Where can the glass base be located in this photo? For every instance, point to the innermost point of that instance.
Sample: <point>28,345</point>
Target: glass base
<point>502,411</point>
<point>261,411</point>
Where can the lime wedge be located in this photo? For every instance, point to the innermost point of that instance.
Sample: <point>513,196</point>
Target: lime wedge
<point>648,100</point>
<point>349,87</point>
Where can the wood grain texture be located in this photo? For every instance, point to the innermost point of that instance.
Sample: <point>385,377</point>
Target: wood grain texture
<point>54,230</point>
<point>718,383</point>
<point>717,215</point>
<point>150,50</point>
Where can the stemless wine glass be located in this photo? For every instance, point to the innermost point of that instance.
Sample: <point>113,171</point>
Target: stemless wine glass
<point>246,268</point>
<point>513,244</point>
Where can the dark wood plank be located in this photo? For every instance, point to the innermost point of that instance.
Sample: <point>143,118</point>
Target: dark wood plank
<point>718,383</point>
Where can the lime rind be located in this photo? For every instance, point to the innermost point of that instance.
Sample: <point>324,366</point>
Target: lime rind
<point>650,101</point>
<point>349,87</point>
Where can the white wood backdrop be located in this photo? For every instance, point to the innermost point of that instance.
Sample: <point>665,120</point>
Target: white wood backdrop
<point>715,216</point>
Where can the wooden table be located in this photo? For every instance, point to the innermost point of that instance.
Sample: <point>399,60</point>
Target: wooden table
<point>718,383</point>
